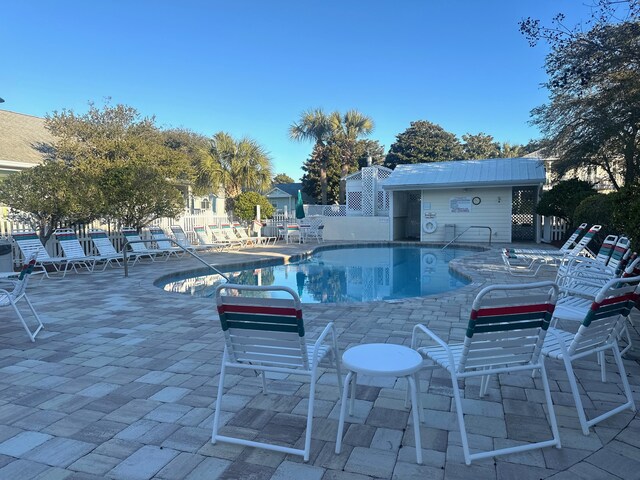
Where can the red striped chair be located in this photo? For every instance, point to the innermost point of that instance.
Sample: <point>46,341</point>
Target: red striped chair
<point>599,332</point>
<point>504,334</point>
<point>267,335</point>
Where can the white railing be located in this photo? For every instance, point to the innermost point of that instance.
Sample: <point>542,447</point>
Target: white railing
<point>553,229</point>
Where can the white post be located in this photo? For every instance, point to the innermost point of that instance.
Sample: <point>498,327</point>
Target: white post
<point>259,224</point>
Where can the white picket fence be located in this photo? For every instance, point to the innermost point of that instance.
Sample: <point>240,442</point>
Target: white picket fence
<point>553,229</point>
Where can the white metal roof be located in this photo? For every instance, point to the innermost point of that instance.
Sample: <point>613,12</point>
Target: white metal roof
<point>467,173</point>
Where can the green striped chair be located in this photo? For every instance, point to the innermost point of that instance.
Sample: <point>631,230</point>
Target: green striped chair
<point>28,242</point>
<point>505,334</point>
<point>599,331</point>
<point>265,334</point>
<point>13,296</point>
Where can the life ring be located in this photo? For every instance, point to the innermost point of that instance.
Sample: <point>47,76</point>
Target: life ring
<point>430,226</point>
<point>429,259</point>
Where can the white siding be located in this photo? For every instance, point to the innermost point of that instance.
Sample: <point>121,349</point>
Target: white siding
<point>493,211</point>
<point>356,228</point>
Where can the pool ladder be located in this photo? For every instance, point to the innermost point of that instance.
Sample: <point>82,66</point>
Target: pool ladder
<point>466,230</point>
<point>186,250</point>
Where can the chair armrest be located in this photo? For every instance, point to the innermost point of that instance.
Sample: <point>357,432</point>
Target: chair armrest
<point>421,328</point>
<point>329,329</point>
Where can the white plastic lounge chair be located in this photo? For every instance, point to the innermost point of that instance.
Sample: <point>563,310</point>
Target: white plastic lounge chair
<point>141,250</point>
<point>257,226</point>
<point>182,239</point>
<point>73,251</point>
<point>504,334</point>
<point>241,234</point>
<point>106,250</point>
<point>205,241</point>
<point>18,292</point>
<point>597,333</point>
<point>220,238</point>
<point>231,236</point>
<point>28,243</point>
<point>164,244</point>
<point>565,248</point>
<point>268,335</point>
<point>526,264</point>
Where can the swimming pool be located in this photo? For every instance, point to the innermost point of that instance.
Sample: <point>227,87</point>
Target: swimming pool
<point>344,275</point>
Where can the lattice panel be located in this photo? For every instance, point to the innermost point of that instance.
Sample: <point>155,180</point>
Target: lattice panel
<point>382,202</point>
<point>354,202</point>
<point>523,213</point>
<point>368,191</point>
<point>413,197</point>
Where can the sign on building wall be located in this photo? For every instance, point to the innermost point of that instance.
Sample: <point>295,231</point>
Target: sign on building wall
<point>460,204</point>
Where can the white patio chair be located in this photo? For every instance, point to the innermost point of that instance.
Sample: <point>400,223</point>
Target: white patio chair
<point>18,292</point>
<point>292,232</point>
<point>28,243</point>
<point>73,251</point>
<point>182,238</point>
<point>106,250</point>
<point>563,250</point>
<point>257,226</point>
<point>205,241</point>
<point>528,264</point>
<point>598,332</point>
<point>268,335</point>
<point>230,234</point>
<point>504,334</point>
<point>164,244</point>
<point>140,249</point>
<point>241,234</point>
<point>220,238</point>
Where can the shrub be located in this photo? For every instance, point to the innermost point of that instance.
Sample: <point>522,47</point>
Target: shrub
<point>245,206</point>
<point>626,213</point>
<point>598,209</point>
<point>562,200</point>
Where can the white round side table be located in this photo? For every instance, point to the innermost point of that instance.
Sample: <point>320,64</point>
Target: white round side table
<point>382,360</point>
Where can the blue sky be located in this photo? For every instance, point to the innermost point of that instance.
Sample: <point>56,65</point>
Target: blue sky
<point>251,67</point>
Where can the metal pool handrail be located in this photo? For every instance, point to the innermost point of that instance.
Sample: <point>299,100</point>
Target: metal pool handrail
<point>466,230</point>
<point>197,257</point>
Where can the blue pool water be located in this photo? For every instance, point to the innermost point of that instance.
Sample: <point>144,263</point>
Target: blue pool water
<point>345,275</point>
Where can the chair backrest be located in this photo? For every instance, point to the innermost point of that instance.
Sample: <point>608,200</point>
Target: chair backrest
<point>201,233</point>
<point>161,238</point>
<point>293,228</point>
<point>620,253</point>
<point>69,242</point>
<point>574,236</point>
<point>28,242</point>
<point>131,234</point>
<point>633,268</point>
<point>102,243</point>
<point>240,231</point>
<point>585,240</point>
<point>508,331</point>
<point>607,314</point>
<point>23,278</point>
<point>228,232</point>
<point>606,249</point>
<point>180,236</point>
<point>268,331</point>
<point>217,234</point>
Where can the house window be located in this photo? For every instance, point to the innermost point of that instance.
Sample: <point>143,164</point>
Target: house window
<point>204,204</point>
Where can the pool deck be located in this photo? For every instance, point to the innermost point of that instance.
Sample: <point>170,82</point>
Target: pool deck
<point>121,385</point>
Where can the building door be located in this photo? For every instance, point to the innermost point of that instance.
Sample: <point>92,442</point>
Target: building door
<point>523,204</point>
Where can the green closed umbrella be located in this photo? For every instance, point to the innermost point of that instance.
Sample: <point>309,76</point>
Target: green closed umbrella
<point>299,206</point>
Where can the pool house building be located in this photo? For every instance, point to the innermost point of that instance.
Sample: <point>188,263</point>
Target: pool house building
<point>475,200</point>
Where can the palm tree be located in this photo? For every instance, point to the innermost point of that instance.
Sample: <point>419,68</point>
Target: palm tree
<point>315,125</point>
<point>349,128</point>
<point>237,165</point>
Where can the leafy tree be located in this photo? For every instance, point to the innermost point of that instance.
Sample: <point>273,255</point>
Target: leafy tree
<point>314,125</point>
<point>238,165</point>
<point>626,212</point>
<point>508,150</point>
<point>561,201</point>
<point>333,159</point>
<point>423,142</point>
<point>598,209</point>
<point>245,206</point>
<point>48,196</point>
<point>133,167</point>
<point>480,145</point>
<point>593,117</point>
<point>346,130</point>
<point>283,178</point>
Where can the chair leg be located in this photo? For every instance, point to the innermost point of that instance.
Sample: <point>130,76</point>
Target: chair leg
<point>216,415</point>
<point>264,382</point>
<point>460,414</point>
<point>484,385</point>
<point>623,376</point>
<point>352,400</point>
<point>415,410</point>
<point>312,397</point>
<point>343,411</point>
<point>32,336</point>
<point>551,413</point>
<point>576,395</point>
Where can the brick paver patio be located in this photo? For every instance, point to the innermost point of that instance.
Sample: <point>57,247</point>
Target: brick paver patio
<point>121,385</point>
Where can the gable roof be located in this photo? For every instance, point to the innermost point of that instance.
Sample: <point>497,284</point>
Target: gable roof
<point>467,173</point>
<point>20,136</point>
